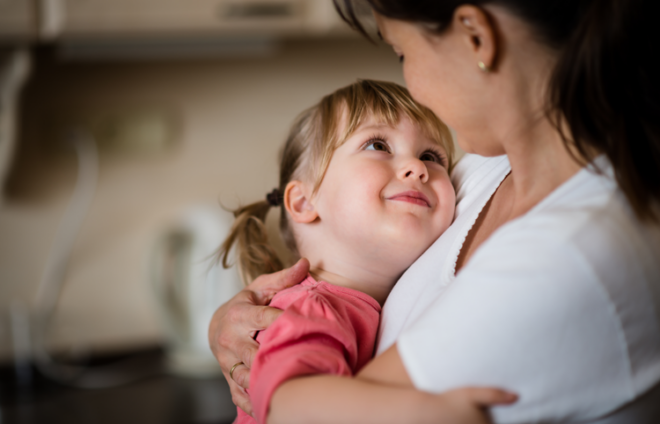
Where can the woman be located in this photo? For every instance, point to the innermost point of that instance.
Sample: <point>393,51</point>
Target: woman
<point>558,294</point>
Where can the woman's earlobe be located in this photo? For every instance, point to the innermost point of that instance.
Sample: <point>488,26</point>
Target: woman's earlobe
<point>298,204</point>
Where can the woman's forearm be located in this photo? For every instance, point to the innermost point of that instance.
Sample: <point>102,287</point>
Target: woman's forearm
<point>381,393</point>
<point>332,399</point>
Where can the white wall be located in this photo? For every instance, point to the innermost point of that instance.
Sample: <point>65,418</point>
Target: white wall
<point>232,114</point>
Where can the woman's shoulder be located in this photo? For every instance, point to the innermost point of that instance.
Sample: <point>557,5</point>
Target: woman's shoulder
<point>588,216</point>
<point>575,310</point>
<point>583,268</point>
<point>473,173</point>
<point>585,233</point>
<point>570,290</point>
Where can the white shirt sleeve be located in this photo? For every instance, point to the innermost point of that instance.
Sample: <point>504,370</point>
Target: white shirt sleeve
<point>528,314</point>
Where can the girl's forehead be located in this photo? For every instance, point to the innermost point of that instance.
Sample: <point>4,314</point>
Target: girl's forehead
<point>373,119</point>
<point>375,122</point>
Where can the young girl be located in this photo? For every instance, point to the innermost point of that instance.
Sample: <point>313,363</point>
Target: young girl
<point>364,190</point>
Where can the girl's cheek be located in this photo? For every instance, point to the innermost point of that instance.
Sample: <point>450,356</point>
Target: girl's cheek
<point>445,191</point>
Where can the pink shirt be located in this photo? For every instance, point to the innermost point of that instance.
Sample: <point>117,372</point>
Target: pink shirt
<point>324,329</point>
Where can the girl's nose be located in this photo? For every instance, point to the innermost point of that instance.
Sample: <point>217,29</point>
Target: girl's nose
<point>415,169</point>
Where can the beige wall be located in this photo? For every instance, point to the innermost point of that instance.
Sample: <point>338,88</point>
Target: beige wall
<point>231,117</point>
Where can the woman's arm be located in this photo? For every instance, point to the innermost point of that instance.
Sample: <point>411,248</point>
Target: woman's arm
<point>381,393</point>
<point>232,328</point>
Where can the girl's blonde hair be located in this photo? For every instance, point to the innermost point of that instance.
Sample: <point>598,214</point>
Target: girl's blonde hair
<point>312,140</point>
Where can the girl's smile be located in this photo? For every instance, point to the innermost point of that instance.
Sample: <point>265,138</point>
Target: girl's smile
<point>412,196</point>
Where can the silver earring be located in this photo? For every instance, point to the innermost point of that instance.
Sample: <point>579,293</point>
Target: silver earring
<point>483,66</point>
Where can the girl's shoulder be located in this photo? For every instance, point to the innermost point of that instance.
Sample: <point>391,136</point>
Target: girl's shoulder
<point>320,294</point>
<point>286,297</point>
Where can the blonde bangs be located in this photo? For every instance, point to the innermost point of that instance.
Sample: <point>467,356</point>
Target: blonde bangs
<point>341,113</point>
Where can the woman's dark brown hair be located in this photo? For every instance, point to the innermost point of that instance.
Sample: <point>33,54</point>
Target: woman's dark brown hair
<point>604,89</point>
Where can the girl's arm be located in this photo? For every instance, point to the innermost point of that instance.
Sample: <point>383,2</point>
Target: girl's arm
<point>381,393</point>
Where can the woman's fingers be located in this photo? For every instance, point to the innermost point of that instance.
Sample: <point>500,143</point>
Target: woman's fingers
<point>242,376</point>
<point>240,398</point>
<point>231,335</point>
<point>484,396</point>
<point>266,286</point>
<point>257,318</point>
<point>468,405</point>
<point>234,325</point>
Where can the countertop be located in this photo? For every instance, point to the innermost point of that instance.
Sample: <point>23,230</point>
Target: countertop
<point>27,397</point>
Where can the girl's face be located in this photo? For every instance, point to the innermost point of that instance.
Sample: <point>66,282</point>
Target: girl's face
<point>386,194</point>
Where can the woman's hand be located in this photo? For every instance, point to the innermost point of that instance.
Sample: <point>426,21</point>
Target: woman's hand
<point>234,325</point>
<point>467,405</point>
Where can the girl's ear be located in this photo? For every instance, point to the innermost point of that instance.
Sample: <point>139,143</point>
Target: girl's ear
<point>297,203</point>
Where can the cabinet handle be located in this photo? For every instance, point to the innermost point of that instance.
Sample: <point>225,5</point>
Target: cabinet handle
<point>258,10</point>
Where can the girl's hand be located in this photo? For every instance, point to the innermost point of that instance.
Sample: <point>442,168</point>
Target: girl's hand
<point>234,325</point>
<point>468,405</point>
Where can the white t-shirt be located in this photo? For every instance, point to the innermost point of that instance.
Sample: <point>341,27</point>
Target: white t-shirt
<point>561,305</point>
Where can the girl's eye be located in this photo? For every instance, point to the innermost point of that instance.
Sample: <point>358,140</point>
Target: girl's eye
<point>430,156</point>
<point>377,145</point>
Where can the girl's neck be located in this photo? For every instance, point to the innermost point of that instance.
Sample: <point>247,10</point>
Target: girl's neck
<point>375,286</point>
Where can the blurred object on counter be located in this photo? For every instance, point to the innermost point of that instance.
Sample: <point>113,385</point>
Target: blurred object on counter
<point>190,285</point>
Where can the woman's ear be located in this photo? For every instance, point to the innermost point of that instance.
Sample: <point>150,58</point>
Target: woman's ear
<point>479,33</point>
<point>297,202</point>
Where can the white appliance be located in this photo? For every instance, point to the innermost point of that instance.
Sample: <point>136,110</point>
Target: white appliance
<point>189,286</point>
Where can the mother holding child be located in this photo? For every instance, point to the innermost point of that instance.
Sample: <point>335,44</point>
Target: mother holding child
<point>546,284</point>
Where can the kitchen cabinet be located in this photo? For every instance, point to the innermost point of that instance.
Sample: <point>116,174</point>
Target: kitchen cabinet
<point>18,21</point>
<point>88,19</point>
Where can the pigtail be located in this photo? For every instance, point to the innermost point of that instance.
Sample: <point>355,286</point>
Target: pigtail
<point>606,92</point>
<point>254,254</point>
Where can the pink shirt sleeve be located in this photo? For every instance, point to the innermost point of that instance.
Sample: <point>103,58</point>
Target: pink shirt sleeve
<point>318,333</point>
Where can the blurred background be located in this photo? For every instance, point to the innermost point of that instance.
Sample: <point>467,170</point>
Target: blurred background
<point>124,126</point>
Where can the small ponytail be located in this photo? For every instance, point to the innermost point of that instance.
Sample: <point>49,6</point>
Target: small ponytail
<point>605,89</point>
<point>255,256</point>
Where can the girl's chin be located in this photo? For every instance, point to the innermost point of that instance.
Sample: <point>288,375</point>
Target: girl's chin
<point>417,234</point>
<point>404,250</point>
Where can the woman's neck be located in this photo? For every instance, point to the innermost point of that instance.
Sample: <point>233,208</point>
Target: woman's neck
<point>537,169</point>
<point>540,163</point>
